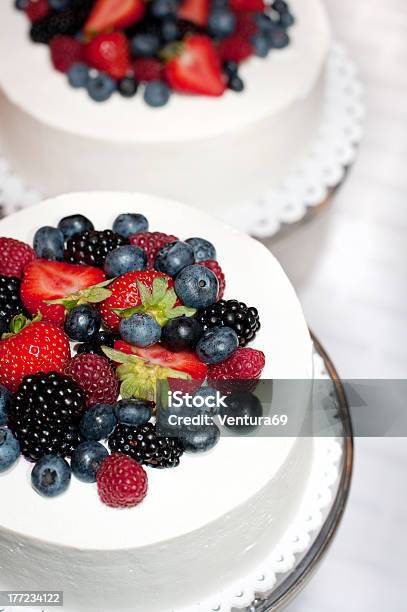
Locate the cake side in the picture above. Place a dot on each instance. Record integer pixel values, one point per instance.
(200, 506)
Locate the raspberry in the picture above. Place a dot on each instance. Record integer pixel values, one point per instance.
(244, 367)
(147, 69)
(15, 256)
(245, 25)
(65, 51)
(151, 242)
(37, 10)
(121, 481)
(235, 48)
(95, 376)
(217, 270)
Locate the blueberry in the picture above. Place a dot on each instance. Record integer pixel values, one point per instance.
(170, 30)
(196, 286)
(82, 323)
(144, 45)
(243, 405)
(98, 422)
(230, 68)
(181, 333)
(21, 5)
(87, 459)
(260, 44)
(173, 257)
(51, 476)
(217, 344)
(5, 399)
(127, 258)
(130, 223)
(59, 5)
(221, 22)
(100, 87)
(78, 75)
(74, 224)
(205, 401)
(278, 38)
(127, 87)
(235, 83)
(49, 243)
(264, 22)
(286, 19)
(220, 3)
(140, 330)
(203, 249)
(156, 94)
(9, 449)
(133, 412)
(280, 6)
(200, 439)
(164, 8)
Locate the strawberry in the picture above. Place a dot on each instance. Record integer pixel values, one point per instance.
(235, 48)
(217, 270)
(151, 243)
(51, 280)
(195, 11)
(195, 67)
(141, 368)
(14, 257)
(247, 5)
(238, 372)
(125, 295)
(37, 10)
(35, 347)
(109, 53)
(114, 15)
(65, 51)
(147, 69)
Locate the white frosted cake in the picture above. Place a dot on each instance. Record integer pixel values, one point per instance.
(206, 151)
(203, 524)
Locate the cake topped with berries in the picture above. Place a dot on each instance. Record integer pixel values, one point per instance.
(109, 304)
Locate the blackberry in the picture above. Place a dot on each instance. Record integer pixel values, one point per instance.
(231, 313)
(10, 301)
(145, 446)
(91, 248)
(68, 22)
(45, 413)
(94, 346)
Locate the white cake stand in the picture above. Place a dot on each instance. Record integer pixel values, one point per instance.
(307, 188)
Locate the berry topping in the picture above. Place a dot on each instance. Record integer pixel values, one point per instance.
(67, 22)
(94, 346)
(5, 402)
(122, 482)
(151, 243)
(87, 459)
(147, 69)
(133, 412)
(37, 347)
(45, 413)
(65, 51)
(95, 376)
(217, 270)
(37, 9)
(173, 257)
(195, 11)
(246, 364)
(114, 14)
(98, 422)
(92, 247)
(196, 286)
(217, 344)
(127, 258)
(156, 94)
(203, 249)
(75, 224)
(9, 449)
(10, 301)
(181, 333)
(49, 243)
(247, 5)
(235, 48)
(241, 405)
(130, 223)
(51, 476)
(15, 257)
(234, 314)
(82, 323)
(109, 53)
(140, 330)
(50, 281)
(145, 446)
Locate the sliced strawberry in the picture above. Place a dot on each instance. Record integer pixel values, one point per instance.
(50, 280)
(114, 14)
(147, 69)
(125, 294)
(109, 53)
(184, 361)
(235, 48)
(195, 11)
(196, 69)
(247, 5)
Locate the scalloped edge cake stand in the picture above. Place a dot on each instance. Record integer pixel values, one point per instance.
(285, 572)
(305, 191)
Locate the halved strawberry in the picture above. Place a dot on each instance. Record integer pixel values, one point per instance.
(194, 67)
(114, 14)
(109, 53)
(195, 11)
(51, 280)
(247, 5)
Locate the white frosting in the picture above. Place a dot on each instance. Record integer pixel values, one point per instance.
(205, 151)
(202, 524)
